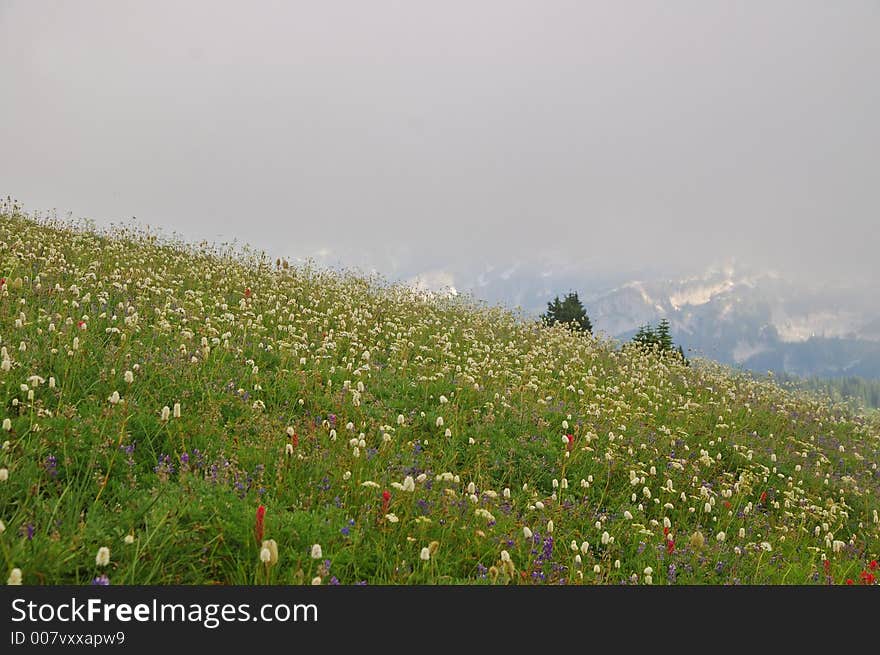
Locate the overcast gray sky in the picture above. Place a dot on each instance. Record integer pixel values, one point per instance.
(409, 135)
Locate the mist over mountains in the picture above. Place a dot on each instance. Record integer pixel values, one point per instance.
(758, 320)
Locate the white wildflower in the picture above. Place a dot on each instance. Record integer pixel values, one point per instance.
(270, 546)
(103, 556)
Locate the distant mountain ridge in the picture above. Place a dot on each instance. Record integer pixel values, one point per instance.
(760, 320)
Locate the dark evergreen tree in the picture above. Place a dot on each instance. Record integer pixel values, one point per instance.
(569, 311)
(683, 358)
(554, 310)
(664, 338)
(658, 339)
(639, 336)
(645, 337)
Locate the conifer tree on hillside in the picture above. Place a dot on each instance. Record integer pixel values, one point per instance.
(664, 338)
(645, 336)
(659, 339)
(569, 311)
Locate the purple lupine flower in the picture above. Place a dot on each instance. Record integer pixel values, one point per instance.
(51, 466)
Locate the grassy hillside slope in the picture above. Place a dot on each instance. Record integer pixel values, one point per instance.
(154, 395)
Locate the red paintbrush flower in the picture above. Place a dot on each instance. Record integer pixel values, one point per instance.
(763, 497)
(258, 525)
(827, 565)
(386, 499)
(247, 292)
(570, 438)
(873, 564)
(849, 581)
(670, 547)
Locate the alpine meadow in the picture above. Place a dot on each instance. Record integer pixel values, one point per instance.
(178, 413)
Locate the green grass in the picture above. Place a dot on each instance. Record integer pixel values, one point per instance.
(361, 372)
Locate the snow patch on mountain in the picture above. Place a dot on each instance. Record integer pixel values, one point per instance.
(434, 282)
(699, 295)
(639, 287)
(796, 328)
